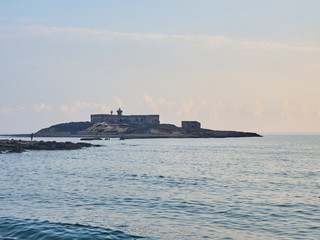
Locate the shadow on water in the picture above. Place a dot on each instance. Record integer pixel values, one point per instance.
(15, 229)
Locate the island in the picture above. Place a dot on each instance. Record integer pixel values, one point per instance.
(134, 126)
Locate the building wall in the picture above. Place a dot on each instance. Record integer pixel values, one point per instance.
(190, 124)
(103, 118)
(133, 119)
(142, 119)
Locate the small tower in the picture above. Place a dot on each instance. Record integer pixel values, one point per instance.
(111, 112)
(119, 112)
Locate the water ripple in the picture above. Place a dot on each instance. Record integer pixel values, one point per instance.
(32, 229)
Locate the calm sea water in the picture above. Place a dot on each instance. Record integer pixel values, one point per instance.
(244, 188)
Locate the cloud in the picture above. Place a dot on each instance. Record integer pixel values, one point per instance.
(155, 104)
(41, 106)
(258, 109)
(265, 45)
(301, 110)
(307, 110)
(118, 102)
(149, 101)
(8, 111)
(216, 109)
(28, 19)
(86, 34)
(77, 106)
(186, 108)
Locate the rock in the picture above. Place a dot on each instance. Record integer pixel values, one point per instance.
(21, 146)
(64, 129)
(17, 149)
(90, 138)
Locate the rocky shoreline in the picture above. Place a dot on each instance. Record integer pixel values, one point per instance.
(19, 146)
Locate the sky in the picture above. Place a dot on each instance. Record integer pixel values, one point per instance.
(249, 65)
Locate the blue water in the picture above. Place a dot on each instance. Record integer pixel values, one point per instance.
(243, 188)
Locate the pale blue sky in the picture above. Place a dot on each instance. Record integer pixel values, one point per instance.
(240, 65)
(270, 20)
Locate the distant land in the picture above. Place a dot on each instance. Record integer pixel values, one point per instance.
(133, 126)
(130, 131)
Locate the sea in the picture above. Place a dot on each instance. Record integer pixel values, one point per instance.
(219, 188)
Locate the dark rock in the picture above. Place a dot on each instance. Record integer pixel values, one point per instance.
(90, 138)
(21, 146)
(17, 149)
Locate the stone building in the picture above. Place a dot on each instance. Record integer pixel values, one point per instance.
(190, 124)
(129, 119)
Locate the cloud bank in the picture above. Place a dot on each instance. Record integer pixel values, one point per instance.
(74, 34)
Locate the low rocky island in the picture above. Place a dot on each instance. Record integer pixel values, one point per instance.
(19, 146)
(106, 126)
(130, 131)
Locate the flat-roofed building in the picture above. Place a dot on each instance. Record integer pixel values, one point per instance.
(190, 124)
(129, 119)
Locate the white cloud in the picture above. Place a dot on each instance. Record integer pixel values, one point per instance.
(85, 34)
(8, 111)
(77, 106)
(265, 45)
(118, 102)
(155, 104)
(301, 110)
(187, 107)
(41, 106)
(307, 110)
(28, 19)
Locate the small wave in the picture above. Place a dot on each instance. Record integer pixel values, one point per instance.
(16, 229)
